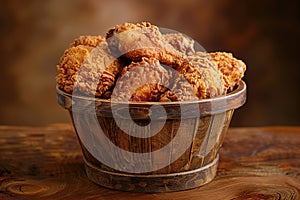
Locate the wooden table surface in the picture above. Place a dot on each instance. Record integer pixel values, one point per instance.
(46, 163)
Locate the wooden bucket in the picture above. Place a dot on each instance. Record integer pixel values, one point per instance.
(151, 146)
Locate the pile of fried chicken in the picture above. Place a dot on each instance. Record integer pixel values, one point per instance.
(136, 62)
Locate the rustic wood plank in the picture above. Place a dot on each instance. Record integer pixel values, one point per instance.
(46, 163)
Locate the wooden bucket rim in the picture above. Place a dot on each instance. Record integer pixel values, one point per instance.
(239, 91)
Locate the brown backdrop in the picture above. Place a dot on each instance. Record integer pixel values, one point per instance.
(264, 33)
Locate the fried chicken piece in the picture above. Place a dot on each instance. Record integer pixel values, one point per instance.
(232, 69)
(135, 41)
(143, 81)
(145, 40)
(199, 79)
(128, 38)
(98, 71)
(180, 42)
(70, 63)
(204, 74)
(88, 66)
(180, 90)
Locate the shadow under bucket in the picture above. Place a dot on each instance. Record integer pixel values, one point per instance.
(151, 146)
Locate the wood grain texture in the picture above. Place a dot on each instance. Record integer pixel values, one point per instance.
(175, 138)
(176, 173)
(46, 163)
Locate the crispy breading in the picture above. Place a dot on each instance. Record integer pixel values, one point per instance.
(92, 70)
(199, 79)
(135, 41)
(69, 65)
(128, 37)
(232, 69)
(145, 40)
(98, 71)
(142, 81)
(204, 74)
(180, 90)
(90, 41)
(160, 67)
(180, 42)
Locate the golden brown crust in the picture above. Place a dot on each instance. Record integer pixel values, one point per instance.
(98, 72)
(92, 70)
(129, 26)
(127, 37)
(232, 69)
(69, 65)
(90, 41)
(145, 40)
(180, 90)
(180, 42)
(199, 79)
(90, 65)
(204, 75)
(135, 41)
(142, 81)
(122, 39)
